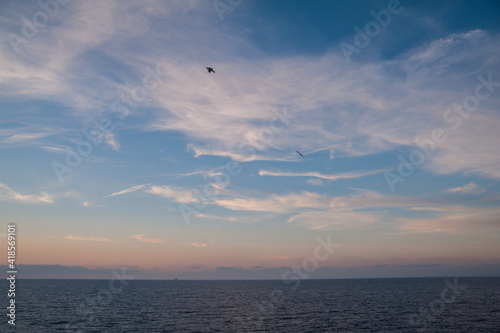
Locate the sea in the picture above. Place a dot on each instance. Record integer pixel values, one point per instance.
(447, 304)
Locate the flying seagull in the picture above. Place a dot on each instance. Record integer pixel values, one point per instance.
(298, 152)
(210, 69)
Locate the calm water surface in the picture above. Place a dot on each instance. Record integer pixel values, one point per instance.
(358, 305)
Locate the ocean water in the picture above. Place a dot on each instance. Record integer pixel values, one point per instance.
(356, 305)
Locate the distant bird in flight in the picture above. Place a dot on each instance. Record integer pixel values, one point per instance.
(210, 69)
(298, 152)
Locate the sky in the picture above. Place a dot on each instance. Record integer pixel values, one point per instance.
(119, 150)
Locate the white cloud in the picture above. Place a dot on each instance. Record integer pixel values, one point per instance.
(29, 135)
(384, 110)
(321, 212)
(88, 239)
(472, 147)
(78, 62)
(353, 211)
(245, 155)
(374, 106)
(26, 136)
(344, 175)
(314, 181)
(253, 218)
(110, 139)
(210, 172)
(128, 190)
(469, 188)
(6, 193)
(55, 149)
(275, 203)
(141, 238)
(372, 199)
(314, 210)
(199, 244)
(178, 194)
(334, 219)
(454, 220)
(363, 210)
(435, 57)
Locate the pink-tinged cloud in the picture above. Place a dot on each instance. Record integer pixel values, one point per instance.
(276, 203)
(177, 194)
(370, 199)
(459, 220)
(469, 188)
(88, 239)
(141, 238)
(335, 220)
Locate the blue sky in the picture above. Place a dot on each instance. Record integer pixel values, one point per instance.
(118, 148)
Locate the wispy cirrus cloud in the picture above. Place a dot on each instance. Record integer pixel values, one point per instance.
(55, 149)
(209, 172)
(378, 118)
(142, 238)
(373, 106)
(22, 134)
(239, 156)
(315, 182)
(88, 239)
(110, 139)
(59, 48)
(457, 219)
(275, 203)
(363, 210)
(469, 188)
(315, 211)
(26, 137)
(344, 175)
(354, 211)
(372, 199)
(6, 193)
(335, 220)
(92, 53)
(180, 195)
(128, 190)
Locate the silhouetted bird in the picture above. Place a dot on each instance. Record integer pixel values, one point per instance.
(298, 152)
(210, 69)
